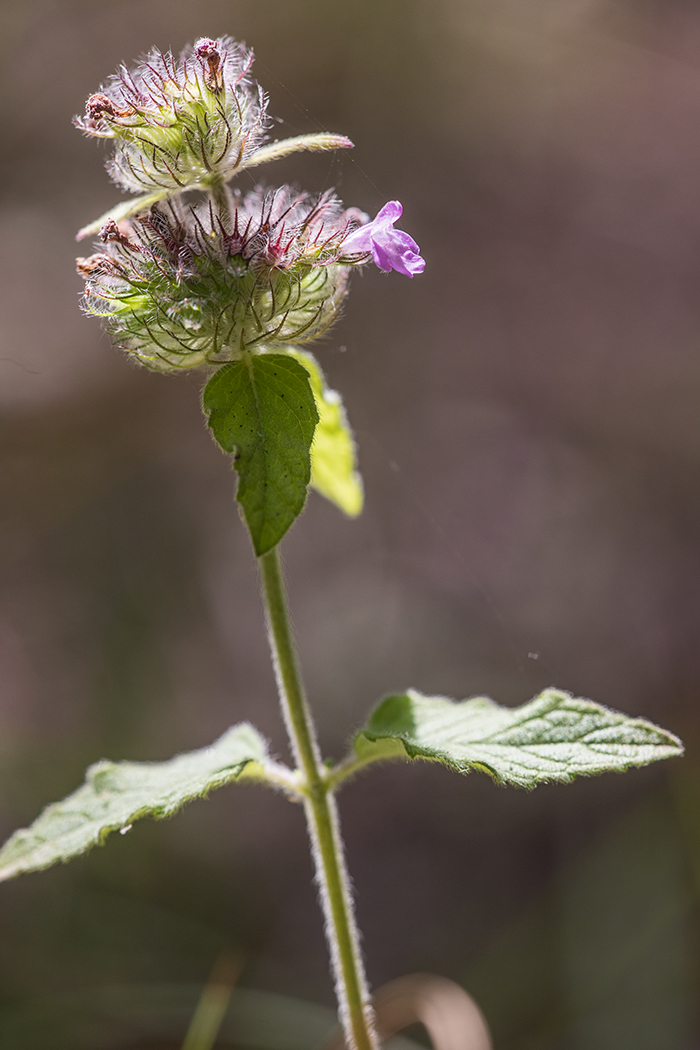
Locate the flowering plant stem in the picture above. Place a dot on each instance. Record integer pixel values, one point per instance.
(321, 815)
(220, 196)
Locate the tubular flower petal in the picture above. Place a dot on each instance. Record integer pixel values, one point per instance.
(390, 249)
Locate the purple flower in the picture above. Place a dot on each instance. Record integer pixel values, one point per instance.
(391, 249)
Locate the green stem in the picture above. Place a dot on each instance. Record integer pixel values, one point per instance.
(347, 768)
(322, 817)
(222, 200)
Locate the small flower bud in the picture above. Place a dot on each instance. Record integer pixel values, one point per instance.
(100, 106)
(208, 54)
(111, 232)
(95, 265)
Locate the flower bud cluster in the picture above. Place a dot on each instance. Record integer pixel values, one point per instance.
(180, 288)
(187, 122)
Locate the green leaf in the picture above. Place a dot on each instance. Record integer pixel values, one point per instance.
(554, 737)
(123, 210)
(333, 455)
(115, 794)
(262, 409)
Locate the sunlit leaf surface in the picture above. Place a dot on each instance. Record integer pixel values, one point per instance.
(554, 737)
(115, 794)
(334, 471)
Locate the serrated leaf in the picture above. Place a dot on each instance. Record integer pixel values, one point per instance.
(318, 142)
(334, 471)
(123, 210)
(554, 737)
(115, 794)
(263, 411)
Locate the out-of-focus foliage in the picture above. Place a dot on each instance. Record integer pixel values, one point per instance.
(114, 1015)
(606, 955)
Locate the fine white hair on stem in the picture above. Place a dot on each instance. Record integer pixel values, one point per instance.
(326, 902)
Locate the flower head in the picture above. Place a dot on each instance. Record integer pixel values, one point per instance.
(187, 123)
(390, 249)
(179, 289)
(177, 123)
(185, 285)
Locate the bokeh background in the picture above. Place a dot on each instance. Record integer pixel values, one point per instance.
(528, 417)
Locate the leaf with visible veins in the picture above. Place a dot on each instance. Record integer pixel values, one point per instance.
(555, 737)
(263, 411)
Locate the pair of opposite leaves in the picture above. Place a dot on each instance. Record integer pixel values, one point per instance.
(554, 737)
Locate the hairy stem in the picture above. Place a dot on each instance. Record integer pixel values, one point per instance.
(322, 817)
(222, 200)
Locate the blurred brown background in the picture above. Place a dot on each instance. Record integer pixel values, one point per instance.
(528, 416)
